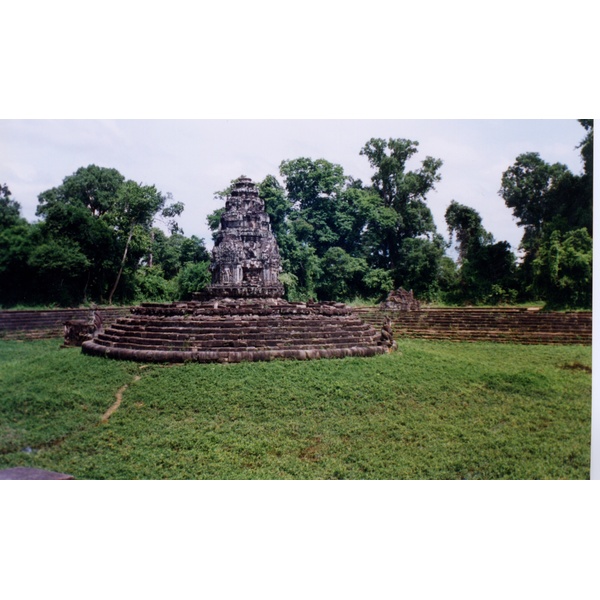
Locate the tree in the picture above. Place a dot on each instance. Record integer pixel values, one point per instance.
(563, 269)
(172, 252)
(17, 241)
(100, 216)
(465, 222)
(547, 198)
(310, 184)
(487, 272)
(134, 210)
(176, 267)
(60, 268)
(400, 231)
(341, 275)
(531, 187)
(315, 191)
(587, 149)
(321, 242)
(299, 261)
(10, 210)
(193, 277)
(152, 286)
(277, 204)
(76, 213)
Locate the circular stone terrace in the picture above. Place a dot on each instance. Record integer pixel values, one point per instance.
(234, 330)
(241, 316)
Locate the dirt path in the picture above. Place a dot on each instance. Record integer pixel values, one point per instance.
(119, 397)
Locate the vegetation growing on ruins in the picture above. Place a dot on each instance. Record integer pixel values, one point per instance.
(339, 238)
(434, 410)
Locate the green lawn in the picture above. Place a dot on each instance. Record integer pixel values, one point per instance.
(433, 410)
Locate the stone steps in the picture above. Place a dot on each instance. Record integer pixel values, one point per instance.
(199, 328)
(234, 331)
(295, 338)
(222, 356)
(523, 326)
(229, 345)
(325, 335)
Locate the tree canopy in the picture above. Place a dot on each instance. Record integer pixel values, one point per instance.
(551, 203)
(487, 270)
(99, 240)
(95, 235)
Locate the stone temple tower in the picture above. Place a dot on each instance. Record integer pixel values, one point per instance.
(246, 261)
(242, 315)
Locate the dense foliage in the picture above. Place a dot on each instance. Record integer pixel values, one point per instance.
(343, 240)
(96, 241)
(340, 239)
(487, 270)
(555, 208)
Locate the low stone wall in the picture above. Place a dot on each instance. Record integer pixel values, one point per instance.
(525, 326)
(38, 324)
(515, 325)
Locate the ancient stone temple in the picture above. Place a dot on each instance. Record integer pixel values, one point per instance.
(242, 315)
(246, 261)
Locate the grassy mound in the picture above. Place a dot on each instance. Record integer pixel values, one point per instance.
(433, 410)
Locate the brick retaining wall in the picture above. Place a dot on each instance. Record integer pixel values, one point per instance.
(525, 326)
(37, 324)
(517, 325)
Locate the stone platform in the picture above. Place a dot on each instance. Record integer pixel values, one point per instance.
(235, 330)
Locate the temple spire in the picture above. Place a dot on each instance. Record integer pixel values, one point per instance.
(245, 261)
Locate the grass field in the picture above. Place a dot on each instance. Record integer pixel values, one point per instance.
(432, 410)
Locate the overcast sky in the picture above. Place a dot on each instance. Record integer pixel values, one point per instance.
(192, 159)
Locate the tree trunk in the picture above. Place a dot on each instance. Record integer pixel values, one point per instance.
(87, 282)
(151, 256)
(114, 287)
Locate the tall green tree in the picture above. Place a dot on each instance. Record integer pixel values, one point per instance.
(10, 210)
(563, 269)
(76, 213)
(133, 212)
(104, 223)
(326, 223)
(465, 224)
(587, 152)
(401, 232)
(487, 269)
(299, 260)
(314, 189)
(17, 242)
(546, 198)
(531, 188)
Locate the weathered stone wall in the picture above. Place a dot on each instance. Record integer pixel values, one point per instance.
(36, 324)
(516, 325)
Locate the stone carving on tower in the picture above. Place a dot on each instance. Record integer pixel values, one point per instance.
(246, 261)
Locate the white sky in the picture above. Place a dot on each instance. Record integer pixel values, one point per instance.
(194, 158)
